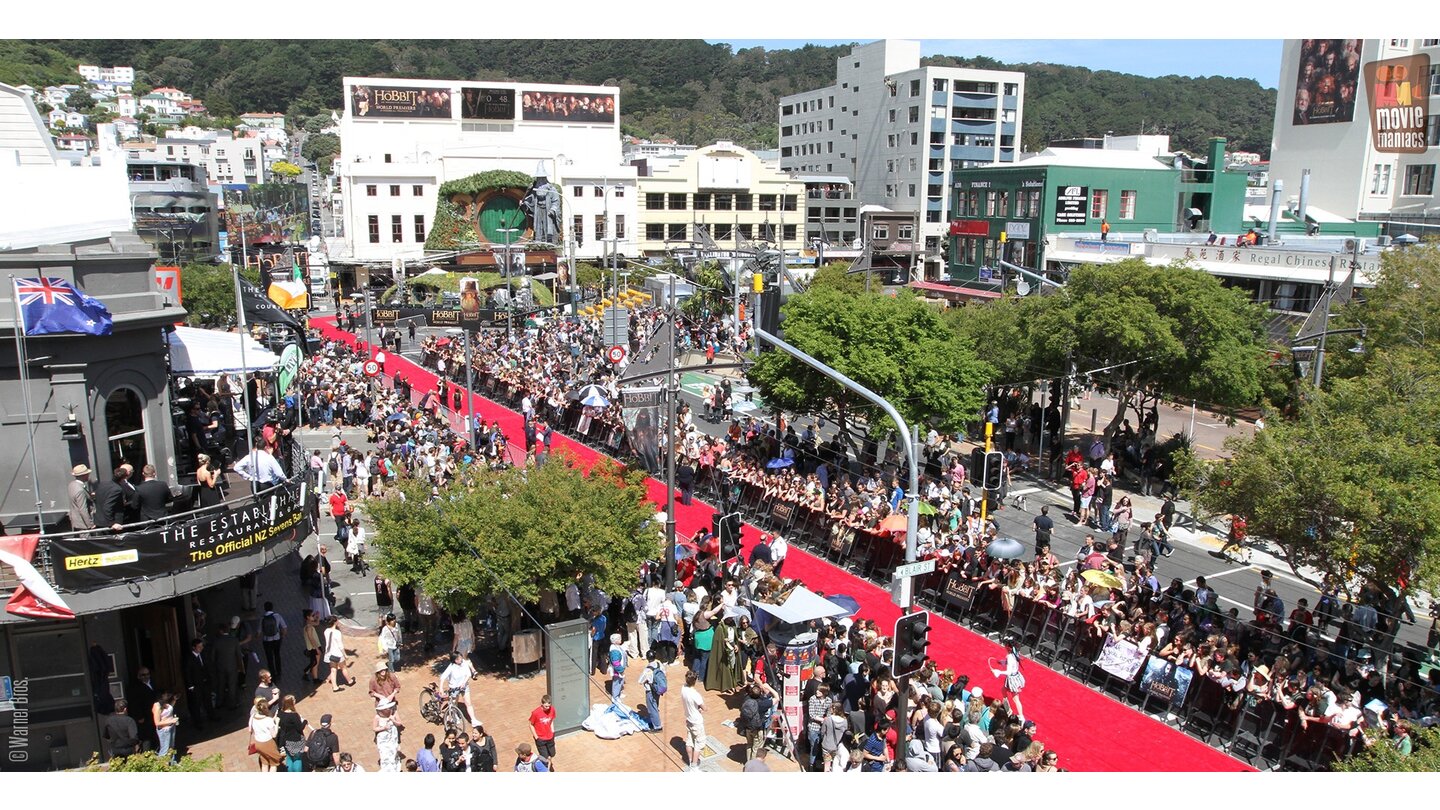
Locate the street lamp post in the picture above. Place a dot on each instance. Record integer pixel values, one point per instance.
(244, 329)
(509, 288)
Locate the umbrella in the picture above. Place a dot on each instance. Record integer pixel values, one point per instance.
(736, 611)
(926, 508)
(395, 417)
(778, 463)
(897, 523)
(850, 603)
(1005, 548)
(1104, 579)
(593, 396)
(443, 342)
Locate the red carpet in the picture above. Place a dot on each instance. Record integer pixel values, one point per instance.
(1091, 731)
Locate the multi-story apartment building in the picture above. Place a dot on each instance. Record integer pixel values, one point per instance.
(107, 76)
(1359, 114)
(227, 160)
(899, 131)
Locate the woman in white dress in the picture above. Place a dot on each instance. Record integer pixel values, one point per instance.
(335, 655)
(387, 736)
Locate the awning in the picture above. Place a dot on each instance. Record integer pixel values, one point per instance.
(207, 353)
(952, 290)
(803, 606)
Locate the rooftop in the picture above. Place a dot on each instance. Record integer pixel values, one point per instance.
(1091, 158)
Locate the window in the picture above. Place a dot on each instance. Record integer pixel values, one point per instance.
(915, 115)
(387, 157)
(890, 167)
(125, 428)
(619, 226)
(1005, 203)
(1099, 200)
(767, 202)
(912, 190)
(724, 201)
(577, 227)
(395, 190)
(914, 164)
(598, 191)
(374, 229)
(677, 202)
(599, 227)
(790, 232)
(914, 139)
(893, 114)
(420, 228)
(1399, 43)
(397, 231)
(371, 191)
(1432, 131)
(789, 202)
(905, 232)
(723, 232)
(880, 232)
(892, 140)
(744, 202)
(417, 191)
(890, 84)
(1435, 78)
(675, 233)
(701, 201)
(618, 191)
(1429, 43)
(577, 191)
(972, 204)
(1380, 179)
(1012, 89)
(914, 87)
(654, 231)
(654, 202)
(992, 203)
(1127, 204)
(939, 85)
(1420, 180)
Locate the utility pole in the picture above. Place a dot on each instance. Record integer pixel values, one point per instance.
(672, 407)
(1330, 296)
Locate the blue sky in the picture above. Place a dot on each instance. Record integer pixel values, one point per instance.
(1251, 59)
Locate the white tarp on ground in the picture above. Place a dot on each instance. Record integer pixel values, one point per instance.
(611, 721)
(206, 352)
(803, 605)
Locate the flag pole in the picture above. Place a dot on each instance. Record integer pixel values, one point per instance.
(25, 393)
(244, 332)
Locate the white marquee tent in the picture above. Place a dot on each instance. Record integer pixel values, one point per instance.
(209, 353)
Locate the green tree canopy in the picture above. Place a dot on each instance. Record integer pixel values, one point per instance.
(319, 146)
(533, 529)
(896, 346)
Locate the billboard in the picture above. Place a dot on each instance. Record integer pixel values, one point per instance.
(1399, 103)
(487, 103)
(573, 108)
(372, 101)
(1326, 79)
(1072, 205)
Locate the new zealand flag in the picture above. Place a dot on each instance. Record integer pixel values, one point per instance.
(51, 306)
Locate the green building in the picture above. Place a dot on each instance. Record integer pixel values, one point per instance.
(1071, 192)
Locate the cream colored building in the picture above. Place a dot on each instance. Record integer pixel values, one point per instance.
(725, 188)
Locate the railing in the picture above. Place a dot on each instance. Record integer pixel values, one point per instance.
(172, 525)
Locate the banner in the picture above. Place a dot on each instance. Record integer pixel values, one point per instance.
(1325, 81)
(797, 663)
(1072, 205)
(101, 559)
(640, 413)
(487, 103)
(1120, 658)
(573, 108)
(373, 101)
(167, 281)
(288, 367)
(1399, 104)
(1166, 681)
(260, 309)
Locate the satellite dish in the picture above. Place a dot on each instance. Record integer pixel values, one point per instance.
(1022, 287)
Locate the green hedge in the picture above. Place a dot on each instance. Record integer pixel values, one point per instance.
(450, 230)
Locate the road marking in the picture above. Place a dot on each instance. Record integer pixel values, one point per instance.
(1027, 491)
(1227, 572)
(1208, 447)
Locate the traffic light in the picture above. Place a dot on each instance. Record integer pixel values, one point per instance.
(993, 469)
(912, 636)
(977, 464)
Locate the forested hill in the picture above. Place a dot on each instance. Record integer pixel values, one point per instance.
(689, 90)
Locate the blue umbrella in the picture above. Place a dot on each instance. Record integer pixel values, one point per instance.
(779, 463)
(396, 417)
(848, 602)
(593, 396)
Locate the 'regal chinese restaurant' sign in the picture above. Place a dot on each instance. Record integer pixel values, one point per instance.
(99, 559)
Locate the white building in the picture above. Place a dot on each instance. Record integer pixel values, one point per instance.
(1329, 131)
(56, 96)
(66, 197)
(899, 130)
(227, 160)
(111, 76)
(125, 105)
(402, 138)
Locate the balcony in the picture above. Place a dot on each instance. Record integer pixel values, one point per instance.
(101, 570)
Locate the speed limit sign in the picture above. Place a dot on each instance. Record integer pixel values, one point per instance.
(615, 354)
(371, 368)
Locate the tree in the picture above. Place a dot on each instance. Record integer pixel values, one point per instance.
(285, 170)
(895, 346)
(835, 275)
(317, 123)
(532, 529)
(1380, 756)
(1167, 331)
(209, 293)
(80, 101)
(319, 146)
(1000, 331)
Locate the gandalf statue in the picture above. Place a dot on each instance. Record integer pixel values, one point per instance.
(542, 205)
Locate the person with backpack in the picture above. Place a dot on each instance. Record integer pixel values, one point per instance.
(527, 761)
(272, 633)
(322, 750)
(754, 719)
(656, 684)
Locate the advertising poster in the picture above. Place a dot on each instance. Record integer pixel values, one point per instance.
(1327, 77)
(487, 103)
(640, 413)
(1120, 658)
(572, 108)
(1399, 103)
(1072, 205)
(370, 101)
(798, 663)
(1166, 680)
